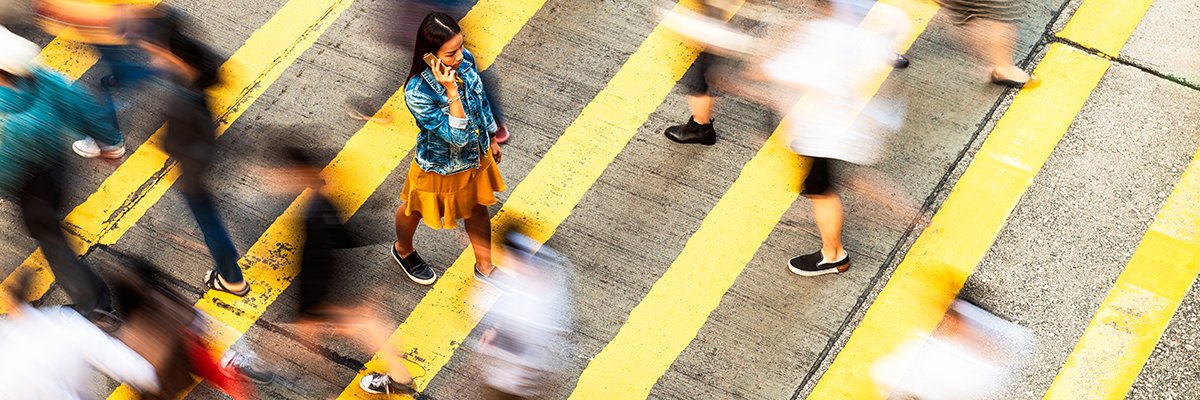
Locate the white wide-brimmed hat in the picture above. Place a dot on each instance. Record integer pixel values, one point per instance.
(17, 55)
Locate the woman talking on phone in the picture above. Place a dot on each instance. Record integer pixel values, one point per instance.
(453, 174)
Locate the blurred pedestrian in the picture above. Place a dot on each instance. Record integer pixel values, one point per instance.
(38, 109)
(453, 175)
(824, 129)
(327, 306)
(699, 127)
(524, 338)
(165, 328)
(971, 356)
(112, 28)
(50, 353)
(192, 67)
(993, 26)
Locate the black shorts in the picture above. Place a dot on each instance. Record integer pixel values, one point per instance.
(820, 177)
(695, 80)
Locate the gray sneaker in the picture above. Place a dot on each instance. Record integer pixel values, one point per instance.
(245, 365)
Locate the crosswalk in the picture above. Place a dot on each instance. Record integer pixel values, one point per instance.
(678, 303)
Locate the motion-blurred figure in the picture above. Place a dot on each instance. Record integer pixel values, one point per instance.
(403, 21)
(112, 28)
(730, 61)
(164, 328)
(525, 339)
(330, 304)
(992, 24)
(192, 67)
(50, 353)
(972, 356)
(38, 109)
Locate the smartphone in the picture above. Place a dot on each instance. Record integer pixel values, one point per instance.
(432, 61)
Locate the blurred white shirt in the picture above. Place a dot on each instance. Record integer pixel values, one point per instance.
(50, 353)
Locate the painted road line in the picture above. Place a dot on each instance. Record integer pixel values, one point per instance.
(960, 234)
(367, 159)
(144, 177)
(662, 325)
(1131, 320)
(1134, 315)
(544, 199)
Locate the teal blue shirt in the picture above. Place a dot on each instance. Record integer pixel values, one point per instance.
(37, 120)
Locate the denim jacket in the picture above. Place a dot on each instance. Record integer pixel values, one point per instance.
(446, 144)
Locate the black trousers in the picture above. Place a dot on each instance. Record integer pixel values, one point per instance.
(40, 198)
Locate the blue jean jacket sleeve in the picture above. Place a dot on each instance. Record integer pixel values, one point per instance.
(432, 118)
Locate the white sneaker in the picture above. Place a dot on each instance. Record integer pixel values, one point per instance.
(88, 148)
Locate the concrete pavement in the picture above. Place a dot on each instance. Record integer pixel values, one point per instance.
(773, 333)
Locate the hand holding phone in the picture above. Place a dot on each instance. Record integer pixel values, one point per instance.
(442, 72)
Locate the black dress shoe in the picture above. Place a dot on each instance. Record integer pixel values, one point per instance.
(900, 62)
(692, 132)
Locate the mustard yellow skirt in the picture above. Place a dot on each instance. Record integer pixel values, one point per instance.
(442, 200)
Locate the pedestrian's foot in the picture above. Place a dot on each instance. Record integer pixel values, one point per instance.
(383, 384)
(105, 319)
(692, 132)
(495, 278)
(900, 62)
(414, 267)
(1015, 79)
(88, 148)
(240, 365)
(214, 281)
(365, 109)
(815, 264)
(501, 133)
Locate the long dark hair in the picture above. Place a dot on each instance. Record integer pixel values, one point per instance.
(435, 30)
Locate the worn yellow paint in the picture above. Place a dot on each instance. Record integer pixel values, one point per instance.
(448, 313)
(144, 177)
(362, 165)
(958, 236)
(1131, 320)
(662, 325)
(1105, 25)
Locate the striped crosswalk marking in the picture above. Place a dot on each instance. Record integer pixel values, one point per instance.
(962, 231)
(1134, 315)
(144, 177)
(662, 325)
(447, 314)
(355, 173)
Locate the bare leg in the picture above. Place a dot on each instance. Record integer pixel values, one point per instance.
(701, 107)
(372, 334)
(997, 39)
(406, 227)
(828, 213)
(479, 230)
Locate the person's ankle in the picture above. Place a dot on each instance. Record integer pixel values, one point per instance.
(404, 253)
(830, 256)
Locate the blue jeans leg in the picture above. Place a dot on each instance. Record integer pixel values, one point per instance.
(224, 254)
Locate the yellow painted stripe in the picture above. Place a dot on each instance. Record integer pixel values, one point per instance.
(125, 196)
(362, 165)
(1105, 25)
(662, 325)
(448, 313)
(1130, 321)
